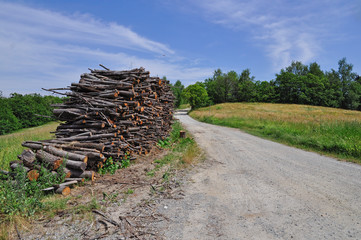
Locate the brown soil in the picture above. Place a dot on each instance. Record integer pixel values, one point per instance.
(128, 202)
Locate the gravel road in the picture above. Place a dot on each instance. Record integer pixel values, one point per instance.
(251, 188)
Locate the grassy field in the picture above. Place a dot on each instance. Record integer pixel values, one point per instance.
(330, 131)
(10, 144)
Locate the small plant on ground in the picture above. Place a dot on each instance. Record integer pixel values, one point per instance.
(164, 143)
(109, 167)
(125, 161)
(182, 152)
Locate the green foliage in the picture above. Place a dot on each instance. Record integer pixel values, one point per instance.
(196, 95)
(109, 167)
(22, 111)
(129, 191)
(164, 143)
(125, 161)
(177, 90)
(20, 196)
(297, 84)
(182, 151)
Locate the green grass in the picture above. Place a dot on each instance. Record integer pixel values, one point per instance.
(330, 131)
(10, 144)
(181, 152)
(184, 106)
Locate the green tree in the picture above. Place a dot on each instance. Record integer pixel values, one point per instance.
(348, 85)
(196, 95)
(287, 87)
(8, 121)
(177, 89)
(333, 90)
(247, 91)
(266, 91)
(297, 68)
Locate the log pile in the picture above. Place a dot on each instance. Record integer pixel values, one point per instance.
(109, 114)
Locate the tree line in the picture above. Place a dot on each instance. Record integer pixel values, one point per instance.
(296, 84)
(22, 111)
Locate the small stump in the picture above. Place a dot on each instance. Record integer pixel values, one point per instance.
(182, 134)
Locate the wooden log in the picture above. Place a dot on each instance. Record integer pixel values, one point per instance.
(76, 165)
(32, 145)
(33, 175)
(82, 174)
(15, 166)
(64, 190)
(68, 183)
(27, 157)
(74, 179)
(49, 160)
(65, 154)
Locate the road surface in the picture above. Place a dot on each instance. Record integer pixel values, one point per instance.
(251, 188)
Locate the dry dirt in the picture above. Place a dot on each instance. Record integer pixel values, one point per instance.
(251, 188)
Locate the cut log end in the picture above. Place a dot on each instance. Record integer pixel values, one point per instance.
(64, 190)
(33, 175)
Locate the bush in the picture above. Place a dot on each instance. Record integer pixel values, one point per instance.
(22, 111)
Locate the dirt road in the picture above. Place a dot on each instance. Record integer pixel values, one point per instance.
(250, 188)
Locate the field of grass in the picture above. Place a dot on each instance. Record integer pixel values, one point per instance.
(330, 131)
(10, 144)
(184, 106)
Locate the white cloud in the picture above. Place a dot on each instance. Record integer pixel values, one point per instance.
(287, 30)
(41, 48)
(19, 21)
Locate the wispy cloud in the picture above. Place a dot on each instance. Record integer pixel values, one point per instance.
(287, 30)
(81, 28)
(42, 48)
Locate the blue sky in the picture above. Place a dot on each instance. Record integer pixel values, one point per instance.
(50, 43)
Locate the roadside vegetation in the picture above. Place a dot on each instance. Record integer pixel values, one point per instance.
(330, 131)
(10, 144)
(22, 201)
(181, 152)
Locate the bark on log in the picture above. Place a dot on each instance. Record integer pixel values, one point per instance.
(76, 165)
(64, 190)
(49, 160)
(65, 154)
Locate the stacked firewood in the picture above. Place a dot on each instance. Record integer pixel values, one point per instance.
(109, 114)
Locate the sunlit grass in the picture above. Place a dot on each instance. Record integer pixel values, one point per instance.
(10, 144)
(331, 131)
(184, 106)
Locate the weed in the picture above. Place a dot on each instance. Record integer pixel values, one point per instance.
(125, 161)
(182, 152)
(86, 207)
(110, 197)
(129, 191)
(164, 143)
(109, 167)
